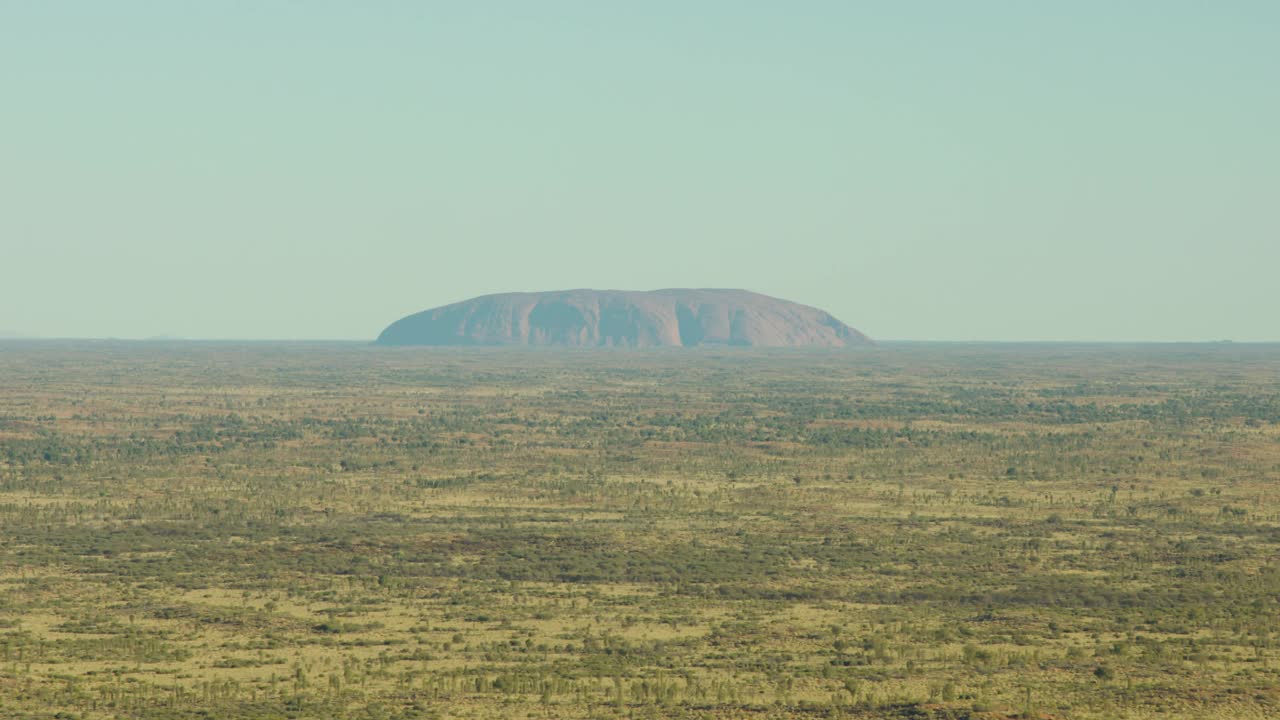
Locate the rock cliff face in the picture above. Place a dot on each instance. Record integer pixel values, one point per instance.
(614, 318)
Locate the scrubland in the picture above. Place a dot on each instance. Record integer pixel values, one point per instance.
(909, 531)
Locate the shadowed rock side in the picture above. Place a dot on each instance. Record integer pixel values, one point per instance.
(614, 318)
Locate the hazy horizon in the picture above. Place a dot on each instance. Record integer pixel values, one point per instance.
(987, 172)
(711, 349)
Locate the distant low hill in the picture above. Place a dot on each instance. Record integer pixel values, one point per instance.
(616, 318)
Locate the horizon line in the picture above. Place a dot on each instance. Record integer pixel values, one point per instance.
(373, 341)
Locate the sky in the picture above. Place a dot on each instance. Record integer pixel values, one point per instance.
(927, 169)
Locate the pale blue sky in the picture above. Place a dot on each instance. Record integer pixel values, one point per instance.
(1084, 170)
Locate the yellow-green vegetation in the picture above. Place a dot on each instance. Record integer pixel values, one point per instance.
(911, 531)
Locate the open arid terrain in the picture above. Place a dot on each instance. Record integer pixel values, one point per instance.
(333, 530)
